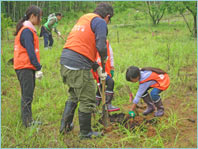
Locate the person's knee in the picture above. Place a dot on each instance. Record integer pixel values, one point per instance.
(155, 96)
(87, 107)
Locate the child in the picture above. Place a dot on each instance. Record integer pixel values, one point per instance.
(27, 59)
(109, 69)
(149, 77)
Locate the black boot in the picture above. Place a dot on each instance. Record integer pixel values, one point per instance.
(148, 101)
(110, 107)
(26, 113)
(85, 126)
(67, 118)
(160, 108)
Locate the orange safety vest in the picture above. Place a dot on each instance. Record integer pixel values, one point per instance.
(108, 63)
(21, 58)
(81, 39)
(162, 80)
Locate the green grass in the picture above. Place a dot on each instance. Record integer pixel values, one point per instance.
(167, 46)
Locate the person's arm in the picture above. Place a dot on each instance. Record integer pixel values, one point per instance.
(27, 42)
(142, 89)
(111, 57)
(99, 27)
(111, 61)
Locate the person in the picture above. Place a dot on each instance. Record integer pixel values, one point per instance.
(148, 78)
(109, 69)
(27, 60)
(79, 53)
(46, 29)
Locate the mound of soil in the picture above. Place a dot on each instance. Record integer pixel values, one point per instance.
(130, 123)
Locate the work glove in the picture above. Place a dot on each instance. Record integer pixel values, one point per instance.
(112, 73)
(59, 34)
(101, 74)
(39, 74)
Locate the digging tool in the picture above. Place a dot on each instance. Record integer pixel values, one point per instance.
(105, 114)
(130, 94)
(130, 100)
(62, 37)
(97, 80)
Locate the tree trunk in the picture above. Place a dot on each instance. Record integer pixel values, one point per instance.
(195, 26)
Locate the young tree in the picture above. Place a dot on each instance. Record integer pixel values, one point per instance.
(182, 8)
(156, 10)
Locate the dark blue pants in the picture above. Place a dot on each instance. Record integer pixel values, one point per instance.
(154, 94)
(48, 37)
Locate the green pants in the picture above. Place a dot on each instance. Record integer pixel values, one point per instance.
(81, 88)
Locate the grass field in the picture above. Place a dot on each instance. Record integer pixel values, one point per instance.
(168, 46)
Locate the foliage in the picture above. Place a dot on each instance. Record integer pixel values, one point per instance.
(135, 42)
(156, 10)
(6, 22)
(182, 8)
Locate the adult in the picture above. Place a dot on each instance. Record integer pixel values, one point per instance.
(78, 56)
(46, 29)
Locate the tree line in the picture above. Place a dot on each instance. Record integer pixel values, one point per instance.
(12, 11)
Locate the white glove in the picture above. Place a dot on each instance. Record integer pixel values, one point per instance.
(39, 74)
(59, 34)
(101, 75)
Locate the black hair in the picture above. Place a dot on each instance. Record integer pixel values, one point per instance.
(31, 10)
(58, 14)
(132, 73)
(104, 9)
(156, 70)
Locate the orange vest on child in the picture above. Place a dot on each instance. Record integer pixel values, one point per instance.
(82, 39)
(162, 80)
(108, 63)
(21, 58)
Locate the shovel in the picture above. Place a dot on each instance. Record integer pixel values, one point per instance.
(62, 38)
(105, 114)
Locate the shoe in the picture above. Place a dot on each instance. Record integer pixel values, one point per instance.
(85, 126)
(109, 97)
(160, 108)
(67, 117)
(148, 101)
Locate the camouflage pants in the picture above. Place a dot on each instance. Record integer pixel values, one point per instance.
(81, 88)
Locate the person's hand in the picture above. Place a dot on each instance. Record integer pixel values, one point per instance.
(133, 107)
(112, 73)
(39, 74)
(104, 60)
(59, 34)
(101, 75)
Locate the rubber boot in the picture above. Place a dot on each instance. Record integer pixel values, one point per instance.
(85, 126)
(110, 107)
(160, 108)
(148, 101)
(26, 113)
(67, 117)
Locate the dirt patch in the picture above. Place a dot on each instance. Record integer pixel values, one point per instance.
(131, 123)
